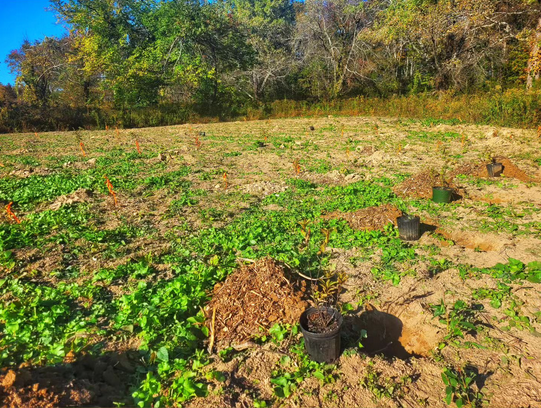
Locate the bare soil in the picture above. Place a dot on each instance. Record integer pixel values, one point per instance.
(490, 222)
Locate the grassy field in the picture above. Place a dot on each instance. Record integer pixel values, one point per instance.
(103, 295)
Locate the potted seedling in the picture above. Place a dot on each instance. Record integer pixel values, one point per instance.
(442, 193)
(321, 325)
(494, 169)
(409, 227)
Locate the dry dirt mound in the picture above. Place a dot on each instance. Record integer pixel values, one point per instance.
(32, 171)
(477, 241)
(80, 196)
(251, 301)
(480, 170)
(370, 219)
(510, 170)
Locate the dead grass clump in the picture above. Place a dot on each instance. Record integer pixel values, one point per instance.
(370, 219)
(251, 301)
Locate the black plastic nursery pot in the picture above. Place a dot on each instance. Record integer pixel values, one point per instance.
(409, 227)
(494, 169)
(442, 194)
(322, 347)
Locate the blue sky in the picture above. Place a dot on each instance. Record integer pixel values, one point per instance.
(23, 19)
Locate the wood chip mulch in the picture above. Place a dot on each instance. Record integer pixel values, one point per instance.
(420, 185)
(368, 219)
(251, 301)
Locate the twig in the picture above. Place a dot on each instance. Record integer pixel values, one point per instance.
(211, 343)
(302, 275)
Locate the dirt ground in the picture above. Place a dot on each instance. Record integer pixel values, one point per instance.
(239, 164)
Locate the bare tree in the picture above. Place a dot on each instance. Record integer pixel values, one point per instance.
(328, 42)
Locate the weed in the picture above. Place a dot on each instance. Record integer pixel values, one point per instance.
(293, 370)
(496, 296)
(458, 387)
(380, 387)
(460, 319)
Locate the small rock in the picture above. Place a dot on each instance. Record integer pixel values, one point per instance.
(312, 128)
(111, 378)
(92, 162)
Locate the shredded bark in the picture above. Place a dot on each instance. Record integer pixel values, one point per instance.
(251, 301)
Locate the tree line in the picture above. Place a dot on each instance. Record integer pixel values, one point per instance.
(178, 57)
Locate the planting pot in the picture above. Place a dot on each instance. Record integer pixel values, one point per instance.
(494, 169)
(409, 227)
(322, 347)
(442, 194)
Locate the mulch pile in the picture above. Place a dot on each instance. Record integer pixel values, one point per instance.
(251, 301)
(420, 185)
(368, 219)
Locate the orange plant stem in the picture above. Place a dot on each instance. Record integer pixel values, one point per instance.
(11, 213)
(82, 146)
(137, 145)
(110, 188)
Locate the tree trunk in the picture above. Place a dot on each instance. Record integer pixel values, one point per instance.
(533, 64)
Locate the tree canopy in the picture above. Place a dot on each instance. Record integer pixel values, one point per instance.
(128, 54)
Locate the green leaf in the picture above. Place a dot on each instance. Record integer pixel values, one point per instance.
(162, 354)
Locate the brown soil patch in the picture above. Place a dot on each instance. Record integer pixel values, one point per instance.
(263, 188)
(86, 381)
(32, 171)
(370, 219)
(251, 301)
(80, 196)
(510, 170)
(480, 170)
(482, 242)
